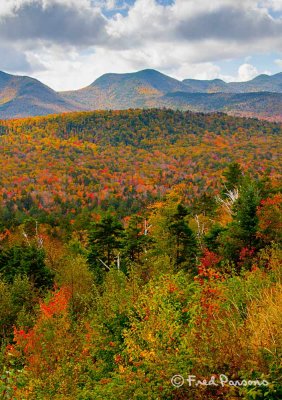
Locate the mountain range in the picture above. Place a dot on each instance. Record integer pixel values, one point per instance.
(22, 96)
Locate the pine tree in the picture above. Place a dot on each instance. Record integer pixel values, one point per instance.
(105, 241)
(135, 239)
(242, 231)
(26, 260)
(233, 176)
(183, 239)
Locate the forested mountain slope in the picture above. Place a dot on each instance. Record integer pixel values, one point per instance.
(261, 97)
(22, 96)
(63, 163)
(261, 83)
(262, 105)
(138, 250)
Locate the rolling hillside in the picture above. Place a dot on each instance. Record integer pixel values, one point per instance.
(261, 97)
(124, 159)
(122, 258)
(22, 96)
(264, 105)
(122, 91)
(149, 88)
(261, 83)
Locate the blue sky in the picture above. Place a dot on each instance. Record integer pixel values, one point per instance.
(67, 44)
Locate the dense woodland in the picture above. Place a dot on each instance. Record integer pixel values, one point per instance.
(69, 167)
(137, 245)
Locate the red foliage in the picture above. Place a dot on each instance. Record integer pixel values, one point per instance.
(246, 252)
(270, 221)
(207, 268)
(70, 163)
(30, 343)
(209, 259)
(58, 303)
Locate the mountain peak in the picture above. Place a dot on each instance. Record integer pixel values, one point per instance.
(262, 78)
(149, 72)
(113, 76)
(147, 80)
(22, 96)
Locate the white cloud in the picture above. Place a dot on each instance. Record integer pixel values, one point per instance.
(278, 62)
(77, 70)
(275, 5)
(246, 72)
(185, 39)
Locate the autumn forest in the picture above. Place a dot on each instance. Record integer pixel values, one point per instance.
(140, 257)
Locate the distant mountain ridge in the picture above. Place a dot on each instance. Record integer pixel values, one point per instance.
(131, 90)
(156, 79)
(22, 96)
(264, 105)
(261, 97)
(261, 83)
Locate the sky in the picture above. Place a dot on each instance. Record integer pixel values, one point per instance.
(67, 44)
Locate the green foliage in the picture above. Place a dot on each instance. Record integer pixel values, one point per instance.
(105, 243)
(74, 273)
(17, 300)
(233, 176)
(84, 163)
(135, 240)
(169, 279)
(25, 260)
(182, 239)
(246, 209)
(10, 380)
(204, 204)
(241, 233)
(212, 238)
(172, 235)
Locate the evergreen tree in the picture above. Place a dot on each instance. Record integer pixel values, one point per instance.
(242, 231)
(25, 260)
(135, 239)
(246, 211)
(212, 238)
(233, 176)
(183, 240)
(105, 241)
(205, 204)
